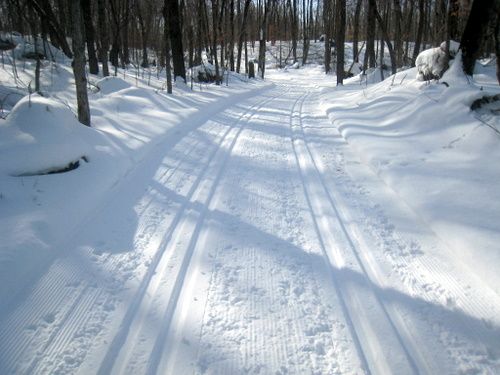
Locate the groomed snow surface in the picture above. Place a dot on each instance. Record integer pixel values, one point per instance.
(277, 227)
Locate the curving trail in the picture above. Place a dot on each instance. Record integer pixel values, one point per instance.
(257, 242)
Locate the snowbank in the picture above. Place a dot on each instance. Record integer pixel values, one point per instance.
(109, 85)
(40, 213)
(39, 136)
(424, 141)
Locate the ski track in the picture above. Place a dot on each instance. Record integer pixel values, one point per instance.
(253, 245)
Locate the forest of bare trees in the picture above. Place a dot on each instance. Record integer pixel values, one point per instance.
(176, 35)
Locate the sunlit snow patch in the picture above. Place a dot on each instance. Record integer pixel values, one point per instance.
(41, 136)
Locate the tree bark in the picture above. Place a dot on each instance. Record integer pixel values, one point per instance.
(57, 35)
(355, 35)
(262, 41)
(89, 36)
(420, 29)
(370, 59)
(79, 63)
(398, 41)
(385, 34)
(242, 34)
(215, 7)
(166, 29)
(476, 32)
(340, 38)
(176, 38)
(326, 21)
(103, 36)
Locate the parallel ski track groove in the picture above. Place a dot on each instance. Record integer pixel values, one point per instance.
(354, 250)
(443, 280)
(58, 293)
(181, 275)
(121, 336)
(345, 309)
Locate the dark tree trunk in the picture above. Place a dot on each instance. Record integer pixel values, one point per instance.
(328, 28)
(144, 35)
(57, 35)
(215, 7)
(231, 40)
(355, 35)
(199, 34)
(385, 35)
(174, 19)
(125, 50)
(476, 32)
(340, 38)
(497, 47)
(103, 36)
(89, 36)
(262, 41)
(420, 29)
(221, 35)
(295, 27)
(242, 34)
(370, 58)
(453, 14)
(305, 46)
(398, 38)
(166, 29)
(79, 63)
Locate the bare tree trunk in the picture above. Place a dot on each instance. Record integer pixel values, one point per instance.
(103, 34)
(215, 7)
(57, 35)
(305, 46)
(476, 32)
(144, 35)
(355, 35)
(79, 63)
(242, 34)
(231, 37)
(340, 38)
(398, 41)
(453, 14)
(370, 59)
(497, 46)
(89, 36)
(295, 27)
(125, 35)
(176, 39)
(420, 30)
(326, 21)
(166, 37)
(262, 42)
(385, 35)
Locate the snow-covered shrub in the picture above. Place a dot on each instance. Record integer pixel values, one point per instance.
(40, 136)
(432, 63)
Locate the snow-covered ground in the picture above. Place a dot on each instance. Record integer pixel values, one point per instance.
(277, 227)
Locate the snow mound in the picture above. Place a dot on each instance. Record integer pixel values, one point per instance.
(430, 64)
(109, 85)
(39, 136)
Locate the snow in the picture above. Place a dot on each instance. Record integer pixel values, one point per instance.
(430, 64)
(438, 161)
(40, 135)
(285, 226)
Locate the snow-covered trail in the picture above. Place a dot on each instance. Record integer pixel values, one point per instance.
(255, 242)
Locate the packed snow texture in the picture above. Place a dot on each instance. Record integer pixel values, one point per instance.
(279, 227)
